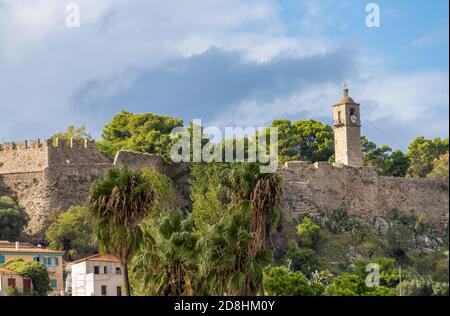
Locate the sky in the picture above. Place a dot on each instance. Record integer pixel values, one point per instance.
(226, 62)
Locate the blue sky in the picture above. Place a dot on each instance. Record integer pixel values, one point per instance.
(227, 62)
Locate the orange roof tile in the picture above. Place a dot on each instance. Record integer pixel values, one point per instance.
(6, 272)
(26, 248)
(97, 257)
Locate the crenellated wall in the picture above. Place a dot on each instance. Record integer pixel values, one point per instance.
(56, 175)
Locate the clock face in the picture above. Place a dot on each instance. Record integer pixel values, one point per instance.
(353, 119)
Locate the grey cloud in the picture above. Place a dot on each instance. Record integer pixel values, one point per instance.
(204, 85)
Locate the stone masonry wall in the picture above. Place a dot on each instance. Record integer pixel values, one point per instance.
(44, 177)
(320, 188)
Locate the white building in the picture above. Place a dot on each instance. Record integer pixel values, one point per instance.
(98, 275)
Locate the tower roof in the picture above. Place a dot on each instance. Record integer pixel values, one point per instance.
(345, 99)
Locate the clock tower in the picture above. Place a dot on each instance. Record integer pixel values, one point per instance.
(347, 131)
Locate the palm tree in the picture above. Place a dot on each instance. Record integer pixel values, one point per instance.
(166, 262)
(225, 265)
(118, 203)
(244, 182)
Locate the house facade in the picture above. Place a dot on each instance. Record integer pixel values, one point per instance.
(98, 275)
(10, 279)
(53, 260)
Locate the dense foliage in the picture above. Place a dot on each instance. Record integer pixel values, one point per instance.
(118, 203)
(74, 132)
(13, 219)
(147, 132)
(305, 140)
(36, 271)
(72, 232)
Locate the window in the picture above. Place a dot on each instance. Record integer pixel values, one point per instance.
(53, 284)
(2, 259)
(118, 270)
(96, 270)
(352, 111)
(11, 282)
(119, 291)
(105, 270)
(103, 290)
(339, 117)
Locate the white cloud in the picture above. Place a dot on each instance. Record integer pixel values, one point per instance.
(44, 64)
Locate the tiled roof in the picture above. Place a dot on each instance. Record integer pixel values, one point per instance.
(97, 257)
(6, 272)
(6, 246)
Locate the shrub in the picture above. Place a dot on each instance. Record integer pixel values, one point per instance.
(400, 239)
(308, 233)
(399, 217)
(13, 291)
(302, 259)
(280, 281)
(389, 276)
(338, 221)
(420, 286)
(353, 285)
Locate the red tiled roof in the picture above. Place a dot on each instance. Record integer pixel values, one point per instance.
(97, 257)
(6, 246)
(6, 272)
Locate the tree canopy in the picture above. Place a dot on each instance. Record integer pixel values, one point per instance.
(72, 232)
(146, 132)
(305, 140)
(13, 219)
(422, 154)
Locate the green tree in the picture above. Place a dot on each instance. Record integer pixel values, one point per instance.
(72, 232)
(118, 203)
(353, 285)
(309, 233)
(166, 262)
(306, 140)
(280, 281)
(147, 132)
(387, 162)
(422, 153)
(389, 275)
(244, 183)
(13, 219)
(302, 259)
(209, 201)
(440, 168)
(74, 132)
(225, 266)
(36, 271)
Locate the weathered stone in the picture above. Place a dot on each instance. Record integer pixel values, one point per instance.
(423, 241)
(381, 225)
(44, 177)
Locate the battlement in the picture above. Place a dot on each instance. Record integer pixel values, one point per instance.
(37, 155)
(72, 143)
(27, 144)
(50, 143)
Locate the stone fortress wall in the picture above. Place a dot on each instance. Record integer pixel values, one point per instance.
(48, 175)
(323, 187)
(45, 176)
